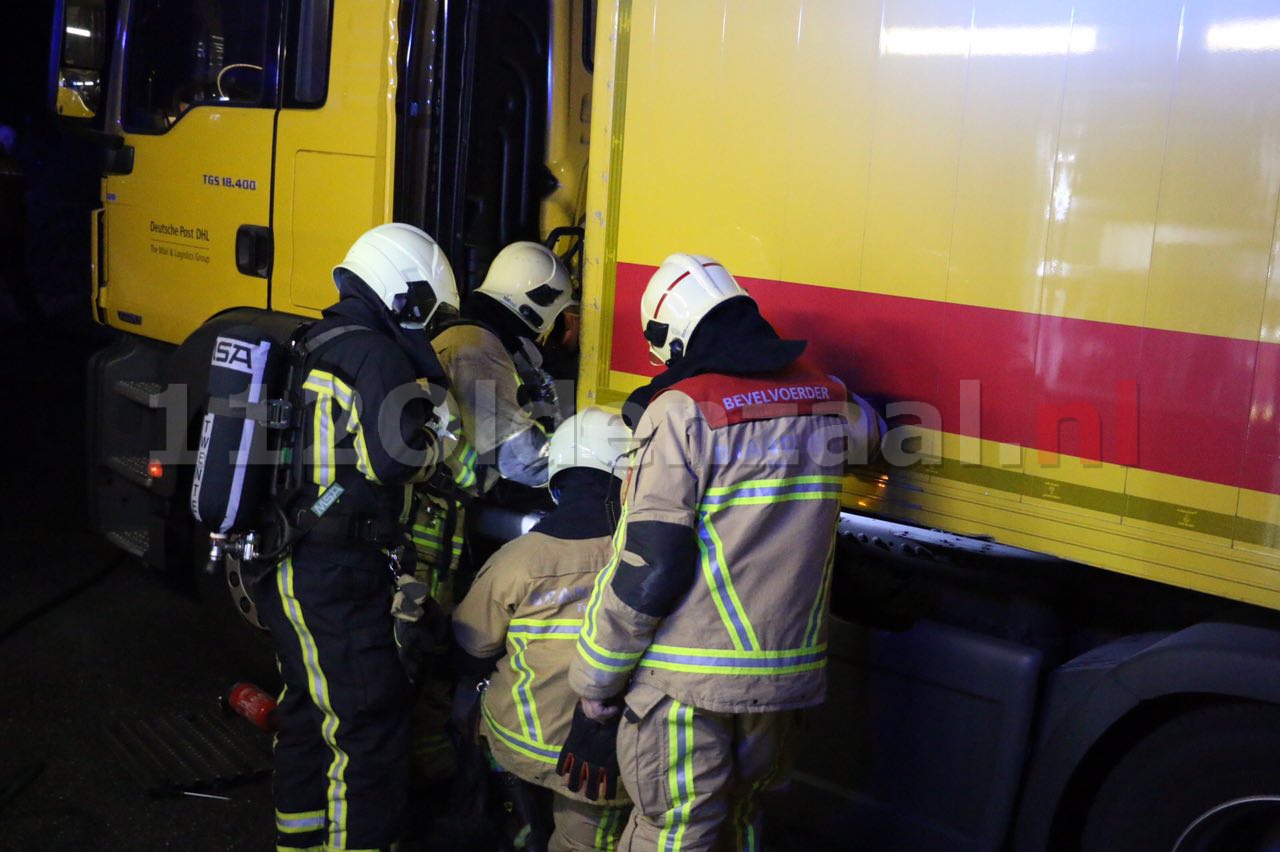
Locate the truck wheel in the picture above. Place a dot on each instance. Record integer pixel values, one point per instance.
(1206, 780)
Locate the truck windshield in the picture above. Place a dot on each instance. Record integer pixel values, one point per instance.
(183, 53)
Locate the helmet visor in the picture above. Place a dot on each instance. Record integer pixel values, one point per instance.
(415, 306)
(530, 316)
(656, 333)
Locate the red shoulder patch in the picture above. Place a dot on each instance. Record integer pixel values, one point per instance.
(793, 392)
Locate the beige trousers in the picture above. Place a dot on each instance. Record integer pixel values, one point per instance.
(695, 777)
(585, 827)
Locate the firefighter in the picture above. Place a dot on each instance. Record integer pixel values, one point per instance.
(341, 751)
(492, 358)
(494, 369)
(707, 632)
(493, 364)
(528, 601)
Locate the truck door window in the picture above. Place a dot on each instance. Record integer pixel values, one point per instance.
(310, 29)
(184, 53)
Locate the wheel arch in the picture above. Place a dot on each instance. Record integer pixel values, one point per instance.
(1105, 701)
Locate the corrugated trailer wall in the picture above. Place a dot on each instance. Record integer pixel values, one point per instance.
(1053, 224)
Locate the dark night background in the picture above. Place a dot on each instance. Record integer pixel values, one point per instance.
(88, 637)
(48, 184)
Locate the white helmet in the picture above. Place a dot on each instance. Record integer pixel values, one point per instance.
(531, 282)
(592, 438)
(683, 290)
(405, 269)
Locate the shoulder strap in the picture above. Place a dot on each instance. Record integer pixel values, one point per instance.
(277, 413)
(288, 479)
(311, 347)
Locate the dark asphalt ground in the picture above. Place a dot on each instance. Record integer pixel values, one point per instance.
(125, 643)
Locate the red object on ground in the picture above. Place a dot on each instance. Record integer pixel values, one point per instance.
(252, 703)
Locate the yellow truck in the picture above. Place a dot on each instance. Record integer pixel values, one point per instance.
(1041, 234)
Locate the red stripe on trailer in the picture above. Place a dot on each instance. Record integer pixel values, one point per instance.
(1208, 408)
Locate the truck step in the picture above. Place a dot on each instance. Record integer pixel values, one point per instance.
(146, 394)
(195, 750)
(135, 542)
(132, 468)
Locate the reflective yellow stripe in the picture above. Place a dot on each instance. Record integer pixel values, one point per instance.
(530, 629)
(697, 668)
(322, 446)
(522, 692)
(818, 611)
(539, 751)
(331, 389)
(761, 500)
(729, 662)
(588, 648)
(715, 568)
(720, 583)
(465, 457)
(610, 661)
(318, 688)
(749, 484)
(299, 823)
(755, 492)
(679, 775)
(607, 831)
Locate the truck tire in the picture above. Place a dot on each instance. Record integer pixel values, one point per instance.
(1208, 779)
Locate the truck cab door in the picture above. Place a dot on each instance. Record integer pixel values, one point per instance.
(188, 196)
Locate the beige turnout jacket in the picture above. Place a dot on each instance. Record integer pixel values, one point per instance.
(485, 384)
(717, 590)
(528, 599)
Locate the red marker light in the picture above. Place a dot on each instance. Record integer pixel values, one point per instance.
(154, 469)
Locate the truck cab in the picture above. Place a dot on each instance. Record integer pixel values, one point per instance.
(246, 143)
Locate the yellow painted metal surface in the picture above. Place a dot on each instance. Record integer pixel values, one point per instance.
(69, 103)
(569, 118)
(335, 164)
(1073, 145)
(603, 197)
(912, 185)
(171, 223)
(1216, 223)
(97, 277)
(1108, 167)
(1105, 171)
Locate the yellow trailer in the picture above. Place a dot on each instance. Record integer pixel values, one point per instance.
(1041, 234)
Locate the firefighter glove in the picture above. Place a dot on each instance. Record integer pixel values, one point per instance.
(589, 759)
(420, 626)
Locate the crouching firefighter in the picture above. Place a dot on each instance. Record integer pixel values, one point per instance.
(527, 601)
(493, 365)
(362, 440)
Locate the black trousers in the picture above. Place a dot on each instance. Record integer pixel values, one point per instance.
(341, 753)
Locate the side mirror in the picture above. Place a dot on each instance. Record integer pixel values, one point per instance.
(77, 58)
